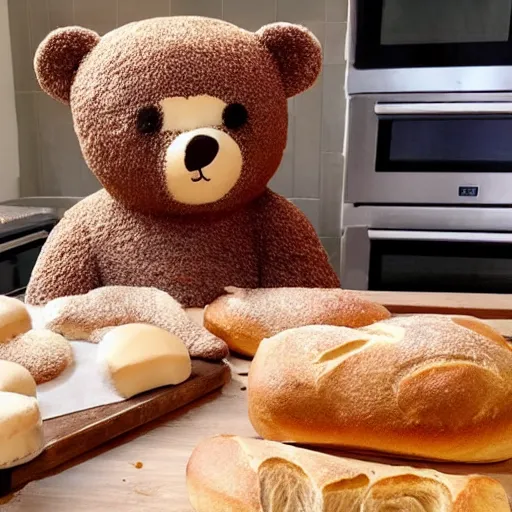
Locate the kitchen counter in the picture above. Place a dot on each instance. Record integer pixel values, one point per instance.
(108, 478)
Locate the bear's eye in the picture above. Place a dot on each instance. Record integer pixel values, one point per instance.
(149, 120)
(234, 116)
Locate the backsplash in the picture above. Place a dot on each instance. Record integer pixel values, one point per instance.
(311, 172)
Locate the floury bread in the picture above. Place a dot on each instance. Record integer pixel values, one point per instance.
(90, 316)
(427, 386)
(244, 317)
(246, 475)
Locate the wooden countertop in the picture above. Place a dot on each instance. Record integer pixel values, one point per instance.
(489, 306)
(107, 479)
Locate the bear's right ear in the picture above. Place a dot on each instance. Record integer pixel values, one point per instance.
(58, 57)
(297, 53)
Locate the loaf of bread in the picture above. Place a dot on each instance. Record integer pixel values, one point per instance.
(429, 387)
(14, 318)
(246, 475)
(243, 318)
(141, 357)
(21, 429)
(90, 316)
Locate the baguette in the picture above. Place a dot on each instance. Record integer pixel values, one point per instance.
(244, 317)
(232, 474)
(428, 387)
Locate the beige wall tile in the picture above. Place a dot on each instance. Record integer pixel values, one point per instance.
(250, 14)
(135, 10)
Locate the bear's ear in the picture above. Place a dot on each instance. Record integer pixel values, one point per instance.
(58, 57)
(297, 53)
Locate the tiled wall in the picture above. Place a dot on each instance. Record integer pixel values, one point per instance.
(312, 168)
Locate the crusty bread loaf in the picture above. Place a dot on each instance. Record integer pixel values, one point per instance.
(243, 317)
(90, 316)
(228, 473)
(428, 386)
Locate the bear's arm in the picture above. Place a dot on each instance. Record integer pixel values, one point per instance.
(66, 265)
(290, 252)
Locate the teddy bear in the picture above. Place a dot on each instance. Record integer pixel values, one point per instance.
(183, 120)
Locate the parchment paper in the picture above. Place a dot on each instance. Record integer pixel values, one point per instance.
(83, 385)
(80, 387)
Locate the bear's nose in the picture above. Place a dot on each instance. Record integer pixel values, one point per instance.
(200, 152)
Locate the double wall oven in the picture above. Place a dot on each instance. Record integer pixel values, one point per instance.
(428, 186)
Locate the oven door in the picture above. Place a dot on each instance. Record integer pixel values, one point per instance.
(17, 259)
(427, 261)
(432, 33)
(429, 152)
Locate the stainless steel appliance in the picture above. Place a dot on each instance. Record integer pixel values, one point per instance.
(417, 248)
(428, 193)
(23, 232)
(434, 45)
(429, 149)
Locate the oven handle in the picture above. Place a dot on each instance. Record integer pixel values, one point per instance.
(24, 240)
(439, 236)
(442, 108)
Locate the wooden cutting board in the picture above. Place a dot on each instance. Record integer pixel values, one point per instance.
(74, 434)
(485, 306)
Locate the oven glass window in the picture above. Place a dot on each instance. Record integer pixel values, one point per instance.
(440, 267)
(457, 144)
(445, 21)
(16, 267)
(433, 33)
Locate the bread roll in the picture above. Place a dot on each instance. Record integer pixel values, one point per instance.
(87, 317)
(14, 378)
(14, 318)
(140, 357)
(242, 318)
(43, 353)
(21, 429)
(421, 386)
(246, 475)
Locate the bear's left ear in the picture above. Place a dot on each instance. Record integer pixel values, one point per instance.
(297, 53)
(58, 57)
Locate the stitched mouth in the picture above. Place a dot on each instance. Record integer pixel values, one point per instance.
(200, 177)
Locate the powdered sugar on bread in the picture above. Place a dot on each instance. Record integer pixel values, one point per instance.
(244, 317)
(43, 353)
(421, 386)
(88, 317)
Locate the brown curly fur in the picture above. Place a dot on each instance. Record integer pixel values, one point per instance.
(134, 233)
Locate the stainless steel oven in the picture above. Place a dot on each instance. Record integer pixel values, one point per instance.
(23, 232)
(430, 45)
(429, 261)
(429, 149)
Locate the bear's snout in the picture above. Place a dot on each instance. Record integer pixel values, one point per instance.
(202, 165)
(200, 152)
